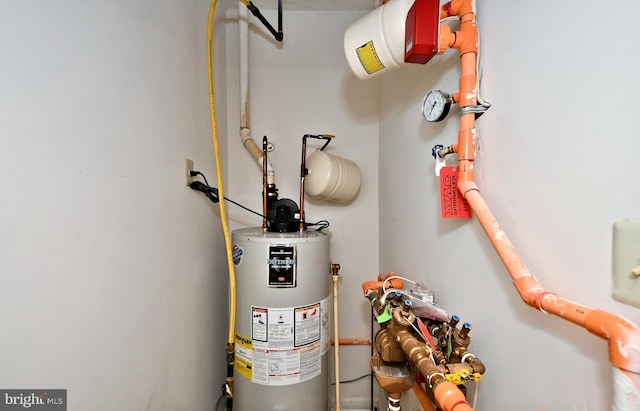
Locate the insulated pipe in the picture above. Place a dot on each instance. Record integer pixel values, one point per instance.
(623, 336)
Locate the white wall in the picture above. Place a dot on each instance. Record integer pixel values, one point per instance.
(556, 165)
(113, 274)
(114, 281)
(304, 86)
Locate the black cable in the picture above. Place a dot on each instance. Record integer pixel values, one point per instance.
(197, 173)
(219, 402)
(322, 224)
(212, 194)
(353, 379)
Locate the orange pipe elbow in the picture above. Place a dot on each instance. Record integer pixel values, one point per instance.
(369, 285)
(450, 398)
(374, 285)
(623, 337)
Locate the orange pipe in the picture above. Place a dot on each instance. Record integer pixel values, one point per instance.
(622, 335)
(425, 403)
(450, 398)
(374, 285)
(466, 41)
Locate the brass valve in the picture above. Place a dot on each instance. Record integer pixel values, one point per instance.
(407, 345)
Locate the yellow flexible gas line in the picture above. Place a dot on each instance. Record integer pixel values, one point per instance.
(216, 152)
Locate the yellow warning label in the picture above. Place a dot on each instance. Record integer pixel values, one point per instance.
(369, 58)
(244, 356)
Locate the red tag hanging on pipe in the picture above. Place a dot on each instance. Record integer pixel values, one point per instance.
(452, 203)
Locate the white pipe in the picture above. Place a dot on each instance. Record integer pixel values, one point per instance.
(336, 338)
(245, 129)
(626, 390)
(243, 29)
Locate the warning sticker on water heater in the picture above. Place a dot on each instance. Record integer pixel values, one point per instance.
(287, 344)
(307, 328)
(244, 356)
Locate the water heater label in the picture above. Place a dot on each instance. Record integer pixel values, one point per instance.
(307, 326)
(286, 344)
(282, 266)
(244, 356)
(237, 254)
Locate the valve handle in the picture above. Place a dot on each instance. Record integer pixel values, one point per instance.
(463, 376)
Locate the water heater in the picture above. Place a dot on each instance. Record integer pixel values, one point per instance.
(282, 320)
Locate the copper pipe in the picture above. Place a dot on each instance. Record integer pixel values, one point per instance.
(352, 341)
(264, 182)
(447, 395)
(303, 174)
(418, 354)
(421, 395)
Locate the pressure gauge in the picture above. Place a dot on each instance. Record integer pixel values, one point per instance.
(435, 106)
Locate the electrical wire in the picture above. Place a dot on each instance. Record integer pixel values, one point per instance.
(219, 402)
(353, 379)
(392, 290)
(475, 394)
(384, 284)
(213, 195)
(479, 98)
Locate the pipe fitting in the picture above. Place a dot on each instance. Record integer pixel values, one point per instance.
(450, 398)
(623, 338)
(456, 8)
(403, 317)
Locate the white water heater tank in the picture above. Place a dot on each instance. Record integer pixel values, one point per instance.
(282, 320)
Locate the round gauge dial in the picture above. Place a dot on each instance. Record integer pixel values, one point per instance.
(435, 106)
